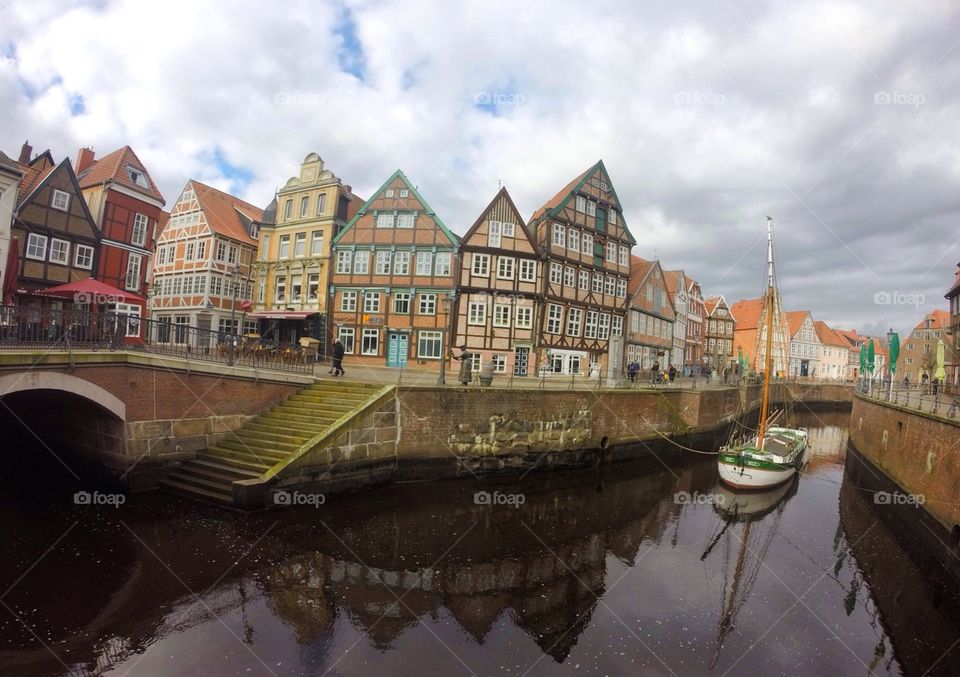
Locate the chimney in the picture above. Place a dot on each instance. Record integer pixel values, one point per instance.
(25, 153)
(84, 160)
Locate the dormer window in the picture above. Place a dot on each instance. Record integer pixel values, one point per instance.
(137, 177)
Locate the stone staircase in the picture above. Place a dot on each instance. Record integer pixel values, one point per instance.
(266, 440)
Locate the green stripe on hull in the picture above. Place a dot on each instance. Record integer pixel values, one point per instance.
(727, 459)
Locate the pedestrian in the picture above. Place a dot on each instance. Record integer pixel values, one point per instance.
(906, 380)
(726, 374)
(655, 372)
(336, 358)
(708, 372)
(672, 373)
(466, 364)
(632, 370)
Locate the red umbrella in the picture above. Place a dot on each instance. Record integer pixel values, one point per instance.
(10, 276)
(90, 291)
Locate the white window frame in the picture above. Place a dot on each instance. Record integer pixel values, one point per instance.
(586, 244)
(574, 320)
(345, 333)
(573, 240)
(59, 197)
(299, 245)
(477, 313)
(348, 302)
(507, 229)
(505, 267)
(554, 318)
(590, 326)
(132, 282)
(406, 220)
(623, 254)
(569, 276)
(374, 335)
(140, 225)
(501, 315)
(493, 233)
(361, 263)
(382, 264)
(316, 242)
(556, 273)
(560, 235)
(85, 260)
(528, 270)
(424, 263)
(401, 263)
(432, 340)
(581, 204)
(481, 265)
(443, 267)
(524, 318)
(344, 261)
(427, 304)
(36, 241)
(401, 297)
(283, 248)
(63, 246)
(371, 302)
(583, 281)
(384, 220)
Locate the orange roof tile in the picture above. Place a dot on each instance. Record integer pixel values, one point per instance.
(638, 271)
(561, 196)
(671, 277)
(828, 336)
(746, 313)
(112, 167)
(940, 319)
(223, 211)
(33, 174)
(795, 319)
(711, 303)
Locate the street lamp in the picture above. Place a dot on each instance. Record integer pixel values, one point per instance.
(891, 364)
(235, 279)
(446, 300)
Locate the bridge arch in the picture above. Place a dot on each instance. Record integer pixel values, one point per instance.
(56, 380)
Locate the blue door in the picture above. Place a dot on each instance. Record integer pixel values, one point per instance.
(397, 349)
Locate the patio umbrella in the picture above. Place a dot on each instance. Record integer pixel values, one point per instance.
(871, 357)
(940, 373)
(894, 352)
(90, 291)
(10, 273)
(863, 361)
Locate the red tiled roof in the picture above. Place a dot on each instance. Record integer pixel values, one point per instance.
(828, 336)
(559, 197)
(222, 212)
(955, 289)
(33, 174)
(638, 271)
(113, 167)
(746, 313)
(711, 303)
(671, 277)
(940, 320)
(795, 319)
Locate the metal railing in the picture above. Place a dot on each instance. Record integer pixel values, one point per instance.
(935, 398)
(56, 329)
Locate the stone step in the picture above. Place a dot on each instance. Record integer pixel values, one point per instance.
(190, 491)
(326, 398)
(274, 452)
(217, 464)
(325, 409)
(195, 469)
(280, 417)
(190, 473)
(230, 457)
(278, 426)
(284, 435)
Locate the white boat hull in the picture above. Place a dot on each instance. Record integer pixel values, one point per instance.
(745, 477)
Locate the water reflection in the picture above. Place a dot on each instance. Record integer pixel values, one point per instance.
(599, 570)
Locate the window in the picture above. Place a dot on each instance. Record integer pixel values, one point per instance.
(587, 244)
(262, 290)
(405, 220)
(428, 304)
(316, 243)
(201, 250)
(501, 315)
(347, 335)
(424, 263)
(477, 312)
(344, 261)
(321, 203)
(622, 288)
(348, 301)
(83, 256)
(284, 247)
(296, 287)
(612, 252)
(528, 271)
(617, 329)
(37, 247)
(389, 192)
(554, 318)
(623, 254)
(281, 289)
(443, 264)
(429, 344)
(300, 245)
(581, 203)
(304, 206)
(232, 254)
(524, 317)
(481, 265)
(401, 263)
(559, 235)
(371, 302)
(132, 280)
(288, 210)
(499, 362)
(188, 251)
(59, 251)
(505, 267)
(507, 229)
(584, 280)
(569, 276)
(384, 220)
(493, 234)
(404, 192)
(60, 200)
(139, 235)
(573, 240)
(591, 208)
(612, 214)
(371, 342)
(634, 321)
(590, 328)
(574, 317)
(609, 285)
(401, 303)
(383, 263)
(597, 283)
(361, 263)
(313, 286)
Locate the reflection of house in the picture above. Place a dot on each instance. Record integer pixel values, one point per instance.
(805, 345)
(677, 289)
(586, 245)
(834, 352)
(718, 333)
(918, 351)
(650, 319)
(498, 304)
(210, 239)
(750, 334)
(10, 175)
(56, 234)
(293, 262)
(393, 279)
(126, 204)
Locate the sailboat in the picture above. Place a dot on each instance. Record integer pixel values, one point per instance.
(777, 452)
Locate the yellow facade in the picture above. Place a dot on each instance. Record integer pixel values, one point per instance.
(292, 267)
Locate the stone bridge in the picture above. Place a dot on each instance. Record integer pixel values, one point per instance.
(129, 414)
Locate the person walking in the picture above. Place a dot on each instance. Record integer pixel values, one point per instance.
(336, 361)
(672, 373)
(632, 370)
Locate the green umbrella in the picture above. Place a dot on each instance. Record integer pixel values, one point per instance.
(941, 374)
(863, 361)
(894, 351)
(871, 361)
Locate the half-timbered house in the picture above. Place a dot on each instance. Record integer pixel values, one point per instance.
(693, 355)
(498, 306)
(393, 280)
(204, 263)
(718, 333)
(586, 244)
(651, 316)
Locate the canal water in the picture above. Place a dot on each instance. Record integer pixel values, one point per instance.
(640, 568)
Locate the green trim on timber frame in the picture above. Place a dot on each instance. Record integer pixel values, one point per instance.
(613, 191)
(428, 210)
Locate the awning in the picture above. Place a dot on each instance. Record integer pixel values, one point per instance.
(90, 291)
(283, 314)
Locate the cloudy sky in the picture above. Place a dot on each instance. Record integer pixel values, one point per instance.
(838, 119)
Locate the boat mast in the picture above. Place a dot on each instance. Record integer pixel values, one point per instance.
(768, 302)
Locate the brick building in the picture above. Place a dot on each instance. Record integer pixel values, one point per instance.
(651, 318)
(718, 328)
